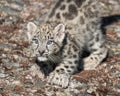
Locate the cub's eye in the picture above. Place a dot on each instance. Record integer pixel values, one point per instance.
(35, 40)
(49, 42)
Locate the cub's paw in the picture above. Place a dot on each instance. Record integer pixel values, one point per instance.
(90, 63)
(35, 71)
(61, 79)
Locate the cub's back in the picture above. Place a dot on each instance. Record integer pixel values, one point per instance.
(74, 11)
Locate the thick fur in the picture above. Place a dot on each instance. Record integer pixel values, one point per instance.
(65, 44)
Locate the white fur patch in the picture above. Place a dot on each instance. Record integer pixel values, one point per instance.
(42, 58)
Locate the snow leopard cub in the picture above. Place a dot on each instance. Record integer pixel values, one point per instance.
(72, 28)
(55, 43)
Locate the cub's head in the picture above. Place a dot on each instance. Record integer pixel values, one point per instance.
(46, 40)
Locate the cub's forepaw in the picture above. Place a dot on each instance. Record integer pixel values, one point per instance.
(35, 71)
(90, 63)
(61, 79)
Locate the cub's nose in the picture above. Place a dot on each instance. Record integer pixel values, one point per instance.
(41, 52)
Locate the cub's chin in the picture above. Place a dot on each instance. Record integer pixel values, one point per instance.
(42, 58)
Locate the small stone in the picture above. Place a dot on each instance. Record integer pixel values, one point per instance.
(16, 83)
(41, 83)
(8, 66)
(2, 75)
(91, 89)
(6, 49)
(33, 91)
(15, 57)
(4, 55)
(28, 77)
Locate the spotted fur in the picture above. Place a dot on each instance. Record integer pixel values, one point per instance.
(71, 29)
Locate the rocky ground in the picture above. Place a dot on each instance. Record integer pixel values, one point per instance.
(16, 78)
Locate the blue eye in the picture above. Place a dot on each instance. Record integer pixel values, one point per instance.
(49, 42)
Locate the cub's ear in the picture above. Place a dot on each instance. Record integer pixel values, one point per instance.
(31, 29)
(59, 32)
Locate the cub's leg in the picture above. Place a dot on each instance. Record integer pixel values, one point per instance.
(62, 73)
(98, 52)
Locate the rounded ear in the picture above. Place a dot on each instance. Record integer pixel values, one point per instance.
(31, 29)
(59, 32)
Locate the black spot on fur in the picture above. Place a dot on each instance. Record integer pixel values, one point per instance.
(72, 9)
(76, 61)
(62, 69)
(57, 70)
(91, 58)
(58, 15)
(69, 62)
(69, 1)
(96, 58)
(62, 7)
(97, 38)
(65, 56)
(91, 44)
(66, 66)
(74, 48)
(74, 56)
(93, 50)
(79, 2)
(69, 71)
(72, 12)
(72, 67)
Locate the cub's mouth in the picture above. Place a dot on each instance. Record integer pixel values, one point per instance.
(42, 57)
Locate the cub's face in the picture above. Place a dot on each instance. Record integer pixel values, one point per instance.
(45, 41)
